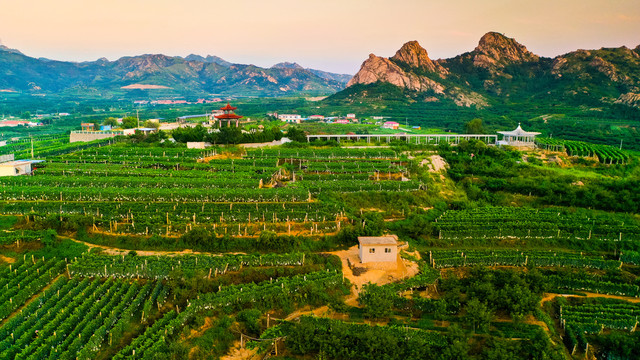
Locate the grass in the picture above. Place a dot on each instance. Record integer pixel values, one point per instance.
(7, 222)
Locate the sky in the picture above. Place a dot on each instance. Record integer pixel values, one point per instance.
(330, 35)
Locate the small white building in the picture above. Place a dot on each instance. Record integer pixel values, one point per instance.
(351, 116)
(378, 248)
(316, 117)
(518, 138)
(290, 118)
(15, 168)
(197, 144)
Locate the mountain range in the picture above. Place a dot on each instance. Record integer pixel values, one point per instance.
(501, 70)
(498, 71)
(150, 74)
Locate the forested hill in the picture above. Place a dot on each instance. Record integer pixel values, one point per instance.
(502, 71)
(193, 75)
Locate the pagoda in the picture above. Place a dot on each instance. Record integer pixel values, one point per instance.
(228, 115)
(518, 138)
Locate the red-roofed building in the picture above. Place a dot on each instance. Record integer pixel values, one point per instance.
(228, 115)
(391, 125)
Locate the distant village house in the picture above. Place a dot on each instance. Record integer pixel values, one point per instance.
(290, 118)
(391, 125)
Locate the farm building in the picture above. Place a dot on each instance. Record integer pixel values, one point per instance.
(290, 118)
(390, 125)
(17, 167)
(378, 248)
(197, 145)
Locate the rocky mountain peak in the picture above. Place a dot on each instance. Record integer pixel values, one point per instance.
(377, 68)
(496, 50)
(287, 65)
(413, 54)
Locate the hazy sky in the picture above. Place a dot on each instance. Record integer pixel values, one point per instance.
(333, 35)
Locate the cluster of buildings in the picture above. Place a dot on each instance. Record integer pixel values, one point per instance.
(176, 102)
(297, 118)
(14, 123)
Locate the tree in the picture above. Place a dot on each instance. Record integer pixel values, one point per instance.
(295, 134)
(229, 135)
(478, 314)
(129, 122)
(439, 310)
(189, 134)
(26, 115)
(377, 300)
(110, 121)
(474, 127)
(152, 124)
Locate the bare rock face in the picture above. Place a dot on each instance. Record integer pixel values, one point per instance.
(416, 56)
(496, 50)
(605, 67)
(582, 63)
(376, 68)
(629, 99)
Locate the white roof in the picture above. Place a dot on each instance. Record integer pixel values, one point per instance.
(518, 132)
(378, 240)
(16, 163)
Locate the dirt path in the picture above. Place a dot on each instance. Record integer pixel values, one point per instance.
(8, 260)
(109, 250)
(208, 323)
(238, 353)
(550, 297)
(530, 319)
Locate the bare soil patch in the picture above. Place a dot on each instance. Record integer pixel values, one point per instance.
(239, 353)
(436, 163)
(377, 273)
(549, 297)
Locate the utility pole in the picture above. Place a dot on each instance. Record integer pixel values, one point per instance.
(620, 144)
(138, 117)
(31, 136)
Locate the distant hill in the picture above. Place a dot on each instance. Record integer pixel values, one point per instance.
(208, 59)
(192, 75)
(501, 70)
(342, 78)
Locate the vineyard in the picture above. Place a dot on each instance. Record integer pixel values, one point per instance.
(161, 267)
(73, 318)
(50, 145)
(20, 281)
(503, 222)
(165, 191)
(298, 289)
(130, 249)
(456, 258)
(606, 154)
(579, 320)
